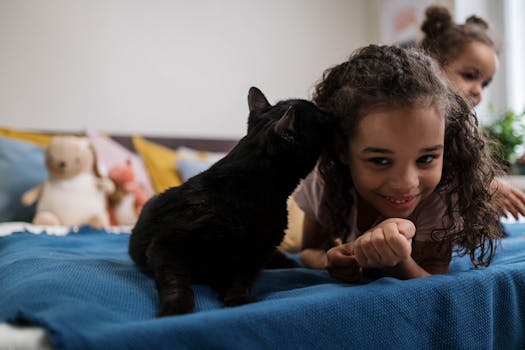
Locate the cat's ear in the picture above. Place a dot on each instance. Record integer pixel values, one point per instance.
(284, 127)
(257, 102)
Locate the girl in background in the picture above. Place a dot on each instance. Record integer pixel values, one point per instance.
(405, 182)
(467, 55)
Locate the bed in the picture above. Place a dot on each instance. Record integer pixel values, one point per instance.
(76, 288)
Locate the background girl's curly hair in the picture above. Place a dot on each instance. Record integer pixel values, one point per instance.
(390, 77)
(445, 40)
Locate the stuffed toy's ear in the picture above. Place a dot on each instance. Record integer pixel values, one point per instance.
(284, 127)
(257, 102)
(96, 166)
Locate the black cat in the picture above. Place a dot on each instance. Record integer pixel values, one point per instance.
(222, 226)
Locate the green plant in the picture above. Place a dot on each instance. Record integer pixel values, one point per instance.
(507, 133)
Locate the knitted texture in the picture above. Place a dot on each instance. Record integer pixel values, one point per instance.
(84, 290)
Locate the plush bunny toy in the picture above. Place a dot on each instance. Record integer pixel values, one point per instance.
(74, 193)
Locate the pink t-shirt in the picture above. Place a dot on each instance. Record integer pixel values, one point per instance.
(427, 216)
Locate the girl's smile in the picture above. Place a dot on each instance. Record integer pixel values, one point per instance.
(401, 203)
(396, 158)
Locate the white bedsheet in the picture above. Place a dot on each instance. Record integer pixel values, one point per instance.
(23, 338)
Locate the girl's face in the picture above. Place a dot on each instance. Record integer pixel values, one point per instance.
(396, 158)
(473, 70)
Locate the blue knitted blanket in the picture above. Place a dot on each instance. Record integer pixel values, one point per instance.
(84, 290)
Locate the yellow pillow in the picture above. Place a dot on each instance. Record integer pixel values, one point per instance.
(293, 238)
(160, 162)
(40, 139)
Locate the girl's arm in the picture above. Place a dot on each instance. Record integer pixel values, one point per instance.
(428, 258)
(315, 238)
(388, 247)
(433, 257)
(343, 264)
(508, 198)
(396, 257)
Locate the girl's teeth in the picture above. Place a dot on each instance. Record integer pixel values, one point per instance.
(397, 201)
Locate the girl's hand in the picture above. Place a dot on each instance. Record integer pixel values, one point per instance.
(509, 199)
(385, 245)
(342, 264)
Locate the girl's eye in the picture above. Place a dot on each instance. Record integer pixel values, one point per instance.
(485, 84)
(469, 76)
(426, 159)
(379, 161)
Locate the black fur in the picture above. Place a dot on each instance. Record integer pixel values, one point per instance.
(222, 226)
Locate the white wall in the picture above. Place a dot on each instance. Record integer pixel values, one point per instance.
(166, 67)
(174, 67)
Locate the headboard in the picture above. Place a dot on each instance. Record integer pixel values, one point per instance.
(201, 144)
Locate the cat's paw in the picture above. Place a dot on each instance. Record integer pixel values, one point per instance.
(176, 304)
(240, 300)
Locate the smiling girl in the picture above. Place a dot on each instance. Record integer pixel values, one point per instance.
(406, 180)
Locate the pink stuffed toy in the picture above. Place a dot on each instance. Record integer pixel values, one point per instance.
(129, 197)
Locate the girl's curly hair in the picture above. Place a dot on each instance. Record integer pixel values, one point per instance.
(445, 40)
(389, 76)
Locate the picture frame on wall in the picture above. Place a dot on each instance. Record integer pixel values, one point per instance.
(401, 20)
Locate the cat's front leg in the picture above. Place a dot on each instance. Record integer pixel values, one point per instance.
(239, 294)
(175, 299)
(173, 282)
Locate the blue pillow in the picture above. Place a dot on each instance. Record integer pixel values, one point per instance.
(190, 167)
(22, 167)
